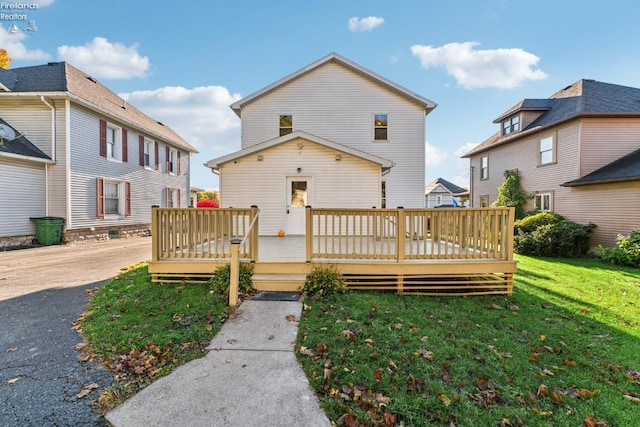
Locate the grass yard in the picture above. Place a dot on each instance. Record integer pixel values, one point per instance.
(563, 350)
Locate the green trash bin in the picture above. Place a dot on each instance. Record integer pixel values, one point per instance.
(48, 230)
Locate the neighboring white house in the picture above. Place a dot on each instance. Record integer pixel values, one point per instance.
(442, 193)
(73, 149)
(332, 134)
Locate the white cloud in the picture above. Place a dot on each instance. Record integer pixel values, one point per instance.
(44, 3)
(12, 43)
(434, 155)
(365, 24)
(199, 115)
(464, 149)
(472, 68)
(104, 59)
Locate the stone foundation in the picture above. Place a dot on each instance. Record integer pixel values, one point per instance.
(81, 235)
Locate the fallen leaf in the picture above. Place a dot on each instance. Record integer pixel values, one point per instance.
(493, 307)
(426, 354)
(12, 349)
(631, 397)
(291, 318)
(543, 337)
(548, 372)
(585, 394)
(592, 421)
(543, 391)
(393, 364)
(232, 341)
(85, 391)
(557, 398)
(13, 380)
(228, 360)
(569, 362)
(444, 399)
(377, 375)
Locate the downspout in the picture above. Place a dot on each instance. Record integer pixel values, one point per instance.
(53, 153)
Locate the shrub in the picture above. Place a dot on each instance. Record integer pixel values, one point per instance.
(627, 252)
(558, 239)
(530, 223)
(221, 279)
(323, 281)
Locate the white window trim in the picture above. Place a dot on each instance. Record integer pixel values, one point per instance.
(484, 178)
(553, 150)
(280, 115)
(121, 199)
(148, 143)
(373, 122)
(541, 196)
(509, 127)
(173, 154)
(117, 145)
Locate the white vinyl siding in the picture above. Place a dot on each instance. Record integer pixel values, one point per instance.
(349, 182)
(147, 188)
(338, 104)
(22, 196)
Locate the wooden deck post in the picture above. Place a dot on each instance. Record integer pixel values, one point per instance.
(235, 272)
(255, 233)
(155, 232)
(400, 235)
(309, 233)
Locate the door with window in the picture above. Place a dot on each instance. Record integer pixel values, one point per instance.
(298, 197)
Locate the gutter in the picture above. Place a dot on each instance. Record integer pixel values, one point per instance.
(30, 158)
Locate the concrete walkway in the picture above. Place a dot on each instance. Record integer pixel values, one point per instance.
(249, 377)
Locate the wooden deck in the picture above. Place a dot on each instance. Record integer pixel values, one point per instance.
(442, 251)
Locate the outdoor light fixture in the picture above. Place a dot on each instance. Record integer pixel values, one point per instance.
(300, 148)
(299, 170)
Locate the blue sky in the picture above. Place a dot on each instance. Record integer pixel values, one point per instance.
(183, 63)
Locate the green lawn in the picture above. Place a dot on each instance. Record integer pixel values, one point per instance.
(563, 350)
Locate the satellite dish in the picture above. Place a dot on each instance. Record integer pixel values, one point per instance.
(6, 132)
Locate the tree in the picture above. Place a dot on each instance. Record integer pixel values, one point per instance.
(209, 195)
(4, 59)
(510, 193)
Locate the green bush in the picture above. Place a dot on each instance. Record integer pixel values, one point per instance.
(557, 239)
(323, 281)
(627, 252)
(221, 279)
(530, 223)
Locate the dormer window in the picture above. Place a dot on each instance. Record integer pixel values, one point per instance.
(511, 125)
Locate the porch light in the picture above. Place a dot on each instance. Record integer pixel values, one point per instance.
(299, 170)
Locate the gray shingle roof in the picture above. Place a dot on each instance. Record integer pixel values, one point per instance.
(583, 98)
(62, 77)
(21, 145)
(453, 189)
(626, 168)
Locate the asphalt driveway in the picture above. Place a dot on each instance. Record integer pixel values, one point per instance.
(43, 290)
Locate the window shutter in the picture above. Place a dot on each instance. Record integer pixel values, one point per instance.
(178, 163)
(141, 149)
(125, 146)
(157, 155)
(103, 138)
(178, 194)
(127, 198)
(100, 197)
(168, 150)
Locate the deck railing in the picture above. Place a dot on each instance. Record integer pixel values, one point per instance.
(203, 232)
(410, 234)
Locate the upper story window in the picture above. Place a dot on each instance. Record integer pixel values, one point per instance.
(113, 142)
(380, 127)
(286, 124)
(511, 125)
(147, 149)
(546, 150)
(172, 160)
(484, 167)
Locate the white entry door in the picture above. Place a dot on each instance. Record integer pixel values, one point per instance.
(298, 197)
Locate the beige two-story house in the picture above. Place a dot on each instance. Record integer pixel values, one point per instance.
(577, 153)
(332, 134)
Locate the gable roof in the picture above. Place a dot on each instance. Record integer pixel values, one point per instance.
(584, 98)
(20, 147)
(450, 187)
(216, 163)
(60, 79)
(626, 168)
(334, 57)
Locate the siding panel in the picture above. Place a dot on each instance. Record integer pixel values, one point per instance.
(22, 196)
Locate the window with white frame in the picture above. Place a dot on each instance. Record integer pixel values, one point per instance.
(383, 195)
(113, 198)
(484, 201)
(286, 124)
(511, 125)
(173, 197)
(380, 129)
(484, 167)
(546, 150)
(147, 153)
(172, 162)
(113, 142)
(542, 202)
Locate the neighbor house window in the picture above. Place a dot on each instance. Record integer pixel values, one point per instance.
(113, 142)
(113, 197)
(484, 167)
(173, 197)
(511, 125)
(543, 202)
(383, 195)
(286, 124)
(484, 201)
(380, 127)
(546, 150)
(173, 161)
